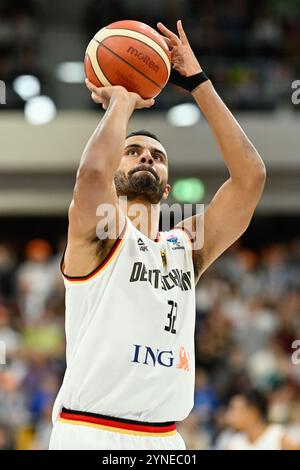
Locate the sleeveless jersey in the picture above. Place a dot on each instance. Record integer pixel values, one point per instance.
(130, 331)
(269, 440)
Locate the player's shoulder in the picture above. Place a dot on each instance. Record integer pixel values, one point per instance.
(275, 429)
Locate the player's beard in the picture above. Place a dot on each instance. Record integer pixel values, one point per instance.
(140, 184)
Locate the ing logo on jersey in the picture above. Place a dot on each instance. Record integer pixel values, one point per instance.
(145, 355)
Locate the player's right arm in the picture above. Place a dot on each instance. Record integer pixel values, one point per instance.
(94, 182)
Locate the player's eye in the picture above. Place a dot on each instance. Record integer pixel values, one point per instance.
(157, 156)
(132, 152)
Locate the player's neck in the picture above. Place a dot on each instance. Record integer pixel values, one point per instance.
(255, 431)
(145, 217)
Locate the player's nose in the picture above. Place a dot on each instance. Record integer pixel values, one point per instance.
(146, 157)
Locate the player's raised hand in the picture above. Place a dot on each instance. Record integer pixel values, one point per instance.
(139, 102)
(103, 95)
(182, 55)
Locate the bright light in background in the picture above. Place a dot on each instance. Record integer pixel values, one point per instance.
(40, 110)
(27, 86)
(70, 72)
(190, 190)
(182, 115)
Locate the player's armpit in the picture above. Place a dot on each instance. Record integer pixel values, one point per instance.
(194, 228)
(95, 222)
(227, 217)
(224, 221)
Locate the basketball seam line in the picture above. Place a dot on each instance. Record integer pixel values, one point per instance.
(127, 63)
(139, 40)
(101, 67)
(95, 65)
(91, 64)
(139, 32)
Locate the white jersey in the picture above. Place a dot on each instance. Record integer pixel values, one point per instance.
(130, 331)
(270, 440)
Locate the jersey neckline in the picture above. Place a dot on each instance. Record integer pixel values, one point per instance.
(157, 238)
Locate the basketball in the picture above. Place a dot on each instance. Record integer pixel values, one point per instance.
(131, 54)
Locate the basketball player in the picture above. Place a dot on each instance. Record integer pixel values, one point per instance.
(130, 298)
(247, 414)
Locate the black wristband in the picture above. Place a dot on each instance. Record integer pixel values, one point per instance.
(187, 83)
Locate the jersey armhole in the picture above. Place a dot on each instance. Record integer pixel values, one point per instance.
(190, 239)
(103, 263)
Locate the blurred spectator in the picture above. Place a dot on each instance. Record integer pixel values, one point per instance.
(7, 267)
(194, 436)
(267, 31)
(19, 28)
(43, 427)
(248, 416)
(13, 410)
(222, 432)
(44, 335)
(35, 279)
(205, 398)
(6, 440)
(99, 14)
(294, 422)
(10, 337)
(274, 273)
(269, 365)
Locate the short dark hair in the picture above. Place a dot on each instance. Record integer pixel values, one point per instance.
(258, 400)
(144, 132)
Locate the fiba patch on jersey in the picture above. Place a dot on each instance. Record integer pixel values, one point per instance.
(175, 242)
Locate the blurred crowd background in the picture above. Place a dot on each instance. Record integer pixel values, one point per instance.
(248, 315)
(253, 46)
(248, 303)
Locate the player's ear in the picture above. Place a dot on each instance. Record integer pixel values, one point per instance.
(167, 191)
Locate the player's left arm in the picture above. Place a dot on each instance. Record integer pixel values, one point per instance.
(232, 208)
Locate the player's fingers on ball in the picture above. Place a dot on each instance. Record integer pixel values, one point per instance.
(96, 98)
(167, 32)
(181, 32)
(165, 38)
(149, 103)
(145, 103)
(89, 85)
(168, 41)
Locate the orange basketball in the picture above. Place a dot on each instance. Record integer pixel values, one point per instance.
(131, 54)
